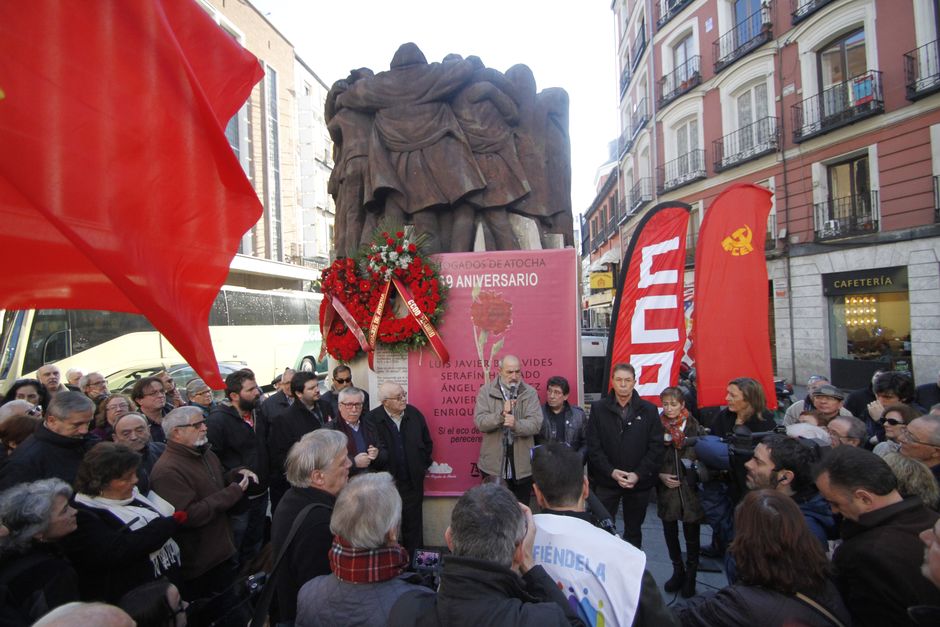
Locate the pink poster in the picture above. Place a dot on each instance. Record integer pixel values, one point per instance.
(521, 303)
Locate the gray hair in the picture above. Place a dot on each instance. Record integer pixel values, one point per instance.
(25, 510)
(83, 381)
(366, 510)
(351, 391)
(487, 523)
(14, 408)
(64, 404)
(179, 417)
(389, 390)
(857, 428)
(932, 422)
(914, 478)
(314, 451)
(196, 385)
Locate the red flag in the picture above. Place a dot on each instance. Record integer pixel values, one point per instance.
(648, 326)
(730, 328)
(118, 188)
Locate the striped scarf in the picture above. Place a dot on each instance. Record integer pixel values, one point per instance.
(354, 565)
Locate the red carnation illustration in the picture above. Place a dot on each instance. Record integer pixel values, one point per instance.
(491, 314)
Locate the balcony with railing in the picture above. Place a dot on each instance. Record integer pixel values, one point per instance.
(749, 34)
(922, 71)
(680, 80)
(842, 104)
(625, 77)
(836, 218)
(668, 9)
(682, 171)
(625, 142)
(802, 9)
(636, 50)
(639, 118)
(747, 143)
(640, 194)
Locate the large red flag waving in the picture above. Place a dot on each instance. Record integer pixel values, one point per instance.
(118, 188)
(730, 331)
(648, 325)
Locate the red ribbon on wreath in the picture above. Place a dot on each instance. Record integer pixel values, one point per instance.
(334, 305)
(414, 311)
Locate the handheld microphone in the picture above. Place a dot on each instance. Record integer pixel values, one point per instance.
(513, 392)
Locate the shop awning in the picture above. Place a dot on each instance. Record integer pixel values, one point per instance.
(611, 256)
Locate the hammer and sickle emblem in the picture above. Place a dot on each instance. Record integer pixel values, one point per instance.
(739, 242)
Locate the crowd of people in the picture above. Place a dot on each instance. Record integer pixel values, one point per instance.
(166, 506)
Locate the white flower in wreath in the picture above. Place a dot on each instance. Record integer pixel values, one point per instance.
(393, 256)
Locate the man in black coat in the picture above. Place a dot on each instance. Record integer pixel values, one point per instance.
(625, 451)
(317, 470)
(58, 445)
(234, 439)
(405, 433)
(490, 578)
(307, 413)
(878, 564)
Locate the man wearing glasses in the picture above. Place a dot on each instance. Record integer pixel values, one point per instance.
(847, 431)
(921, 441)
(366, 452)
(404, 431)
(342, 379)
(131, 430)
(150, 397)
(190, 476)
(93, 386)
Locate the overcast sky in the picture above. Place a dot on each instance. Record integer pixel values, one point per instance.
(567, 43)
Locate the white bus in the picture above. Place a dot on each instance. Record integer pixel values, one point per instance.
(265, 330)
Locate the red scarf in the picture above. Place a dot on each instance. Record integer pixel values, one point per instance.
(673, 427)
(354, 565)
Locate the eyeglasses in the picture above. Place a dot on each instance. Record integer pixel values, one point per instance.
(344, 381)
(35, 411)
(909, 437)
(351, 405)
(400, 397)
(91, 383)
(196, 424)
(206, 391)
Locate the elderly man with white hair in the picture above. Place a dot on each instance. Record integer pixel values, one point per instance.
(191, 478)
(367, 562)
(317, 469)
(404, 431)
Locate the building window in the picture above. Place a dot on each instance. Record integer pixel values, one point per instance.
(691, 236)
(840, 61)
(850, 207)
(275, 226)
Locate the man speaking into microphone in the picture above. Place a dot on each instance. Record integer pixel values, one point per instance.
(507, 411)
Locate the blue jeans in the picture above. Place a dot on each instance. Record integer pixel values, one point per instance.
(248, 530)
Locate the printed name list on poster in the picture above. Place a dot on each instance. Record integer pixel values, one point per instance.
(520, 303)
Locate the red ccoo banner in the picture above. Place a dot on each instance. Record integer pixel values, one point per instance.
(648, 327)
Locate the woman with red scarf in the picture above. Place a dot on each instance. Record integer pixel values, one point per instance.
(367, 563)
(676, 493)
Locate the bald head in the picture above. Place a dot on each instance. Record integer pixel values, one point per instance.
(15, 408)
(98, 614)
(132, 431)
(510, 370)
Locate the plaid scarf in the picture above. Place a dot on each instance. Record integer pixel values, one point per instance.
(354, 565)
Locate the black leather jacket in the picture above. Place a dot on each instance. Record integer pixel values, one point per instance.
(575, 424)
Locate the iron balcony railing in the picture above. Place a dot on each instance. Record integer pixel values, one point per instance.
(625, 141)
(641, 193)
(639, 118)
(624, 209)
(682, 171)
(747, 143)
(668, 9)
(636, 51)
(922, 71)
(844, 217)
(802, 9)
(625, 77)
(689, 252)
(749, 34)
(840, 105)
(680, 80)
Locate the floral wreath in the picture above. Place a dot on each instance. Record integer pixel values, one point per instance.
(361, 285)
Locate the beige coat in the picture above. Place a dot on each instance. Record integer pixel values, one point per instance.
(488, 418)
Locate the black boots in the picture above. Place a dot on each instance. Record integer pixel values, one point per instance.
(692, 547)
(678, 578)
(688, 585)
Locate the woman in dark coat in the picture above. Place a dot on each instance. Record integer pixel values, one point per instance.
(676, 493)
(783, 573)
(34, 575)
(123, 538)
